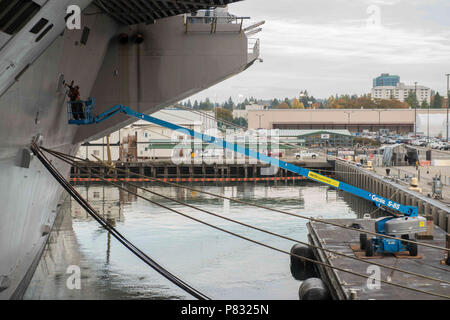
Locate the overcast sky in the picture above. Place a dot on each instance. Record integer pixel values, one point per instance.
(339, 46)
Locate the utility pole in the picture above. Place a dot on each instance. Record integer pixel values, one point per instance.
(448, 100)
(428, 124)
(415, 109)
(348, 116)
(379, 120)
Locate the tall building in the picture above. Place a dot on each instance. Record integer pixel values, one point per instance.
(401, 91)
(386, 80)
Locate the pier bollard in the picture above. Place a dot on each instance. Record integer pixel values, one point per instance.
(415, 185)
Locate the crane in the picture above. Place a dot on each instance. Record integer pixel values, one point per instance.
(408, 222)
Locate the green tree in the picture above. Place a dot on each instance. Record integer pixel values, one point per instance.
(437, 101)
(240, 122)
(411, 100)
(206, 105)
(424, 104)
(274, 103)
(229, 104)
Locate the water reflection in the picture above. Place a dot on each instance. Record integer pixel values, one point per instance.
(221, 266)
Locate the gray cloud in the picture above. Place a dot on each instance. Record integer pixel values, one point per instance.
(328, 46)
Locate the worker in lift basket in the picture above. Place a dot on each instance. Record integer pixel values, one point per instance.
(77, 107)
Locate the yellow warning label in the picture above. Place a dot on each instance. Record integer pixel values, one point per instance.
(323, 179)
(421, 224)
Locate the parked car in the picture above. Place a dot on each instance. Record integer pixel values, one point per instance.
(437, 145)
(391, 141)
(423, 142)
(404, 140)
(304, 154)
(275, 154)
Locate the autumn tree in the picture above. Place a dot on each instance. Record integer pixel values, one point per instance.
(283, 105)
(223, 114)
(297, 104)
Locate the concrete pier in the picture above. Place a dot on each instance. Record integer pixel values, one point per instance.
(342, 284)
(391, 188)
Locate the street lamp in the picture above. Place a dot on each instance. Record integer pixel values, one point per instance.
(348, 115)
(428, 124)
(379, 119)
(259, 116)
(448, 100)
(415, 109)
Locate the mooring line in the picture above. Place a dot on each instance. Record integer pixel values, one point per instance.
(70, 157)
(269, 232)
(139, 253)
(269, 246)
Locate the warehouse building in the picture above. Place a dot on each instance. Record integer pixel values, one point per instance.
(315, 138)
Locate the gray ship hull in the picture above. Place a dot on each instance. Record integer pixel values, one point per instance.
(170, 65)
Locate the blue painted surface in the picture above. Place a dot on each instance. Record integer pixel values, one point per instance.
(384, 245)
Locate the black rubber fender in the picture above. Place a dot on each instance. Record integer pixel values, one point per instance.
(314, 289)
(302, 269)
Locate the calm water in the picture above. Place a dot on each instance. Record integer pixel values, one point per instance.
(219, 265)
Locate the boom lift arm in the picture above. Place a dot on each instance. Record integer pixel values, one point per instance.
(378, 200)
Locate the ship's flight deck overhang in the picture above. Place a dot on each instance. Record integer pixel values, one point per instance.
(131, 12)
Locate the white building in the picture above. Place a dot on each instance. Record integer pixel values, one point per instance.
(401, 92)
(154, 141)
(239, 113)
(145, 140)
(434, 124)
(99, 148)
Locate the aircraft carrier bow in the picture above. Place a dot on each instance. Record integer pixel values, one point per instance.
(144, 53)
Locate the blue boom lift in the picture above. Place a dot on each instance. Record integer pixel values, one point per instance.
(405, 224)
